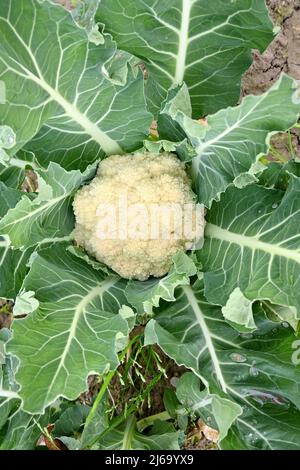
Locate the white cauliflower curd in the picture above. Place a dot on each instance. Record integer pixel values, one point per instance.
(137, 213)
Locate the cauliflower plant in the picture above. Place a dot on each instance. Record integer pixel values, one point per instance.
(137, 213)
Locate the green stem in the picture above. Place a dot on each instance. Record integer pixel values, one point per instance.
(149, 420)
(291, 146)
(119, 419)
(105, 385)
(114, 423)
(128, 433)
(99, 397)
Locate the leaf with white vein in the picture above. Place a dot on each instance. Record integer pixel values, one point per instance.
(126, 437)
(253, 370)
(18, 430)
(252, 241)
(237, 137)
(12, 176)
(72, 334)
(23, 431)
(206, 44)
(230, 143)
(62, 93)
(12, 262)
(8, 397)
(12, 268)
(147, 294)
(50, 215)
(9, 197)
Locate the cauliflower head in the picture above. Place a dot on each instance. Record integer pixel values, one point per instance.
(137, 212)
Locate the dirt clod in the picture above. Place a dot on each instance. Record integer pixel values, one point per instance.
(283, 54)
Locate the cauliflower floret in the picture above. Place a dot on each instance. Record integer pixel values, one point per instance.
(137, 213)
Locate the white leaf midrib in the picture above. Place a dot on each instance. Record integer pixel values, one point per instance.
(219, 233)
(208, 339)
(183, 40)
(108, 145)
(41, 208)
(8, 394)
(98, 290)
(239, 122)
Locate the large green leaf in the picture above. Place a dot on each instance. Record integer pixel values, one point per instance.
(18, 430)
(126, 437)
(12, 176)
(71, 420)
(8, 398)
(218, 411)
(254, 370)
(206, 44)
(12, 268)
(72, 334)
(253, 243)
(83, 12)
(276, 175)
(63, 93)
(8, 197)
(49, 216)
(22, 431)
(12, 262)
(94, 426)
(230, 144)
(147, 294)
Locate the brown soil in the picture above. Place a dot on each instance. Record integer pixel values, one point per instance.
(5, 313)
(30, 183)
(131, 383)
(283, 55)
(141, 378)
